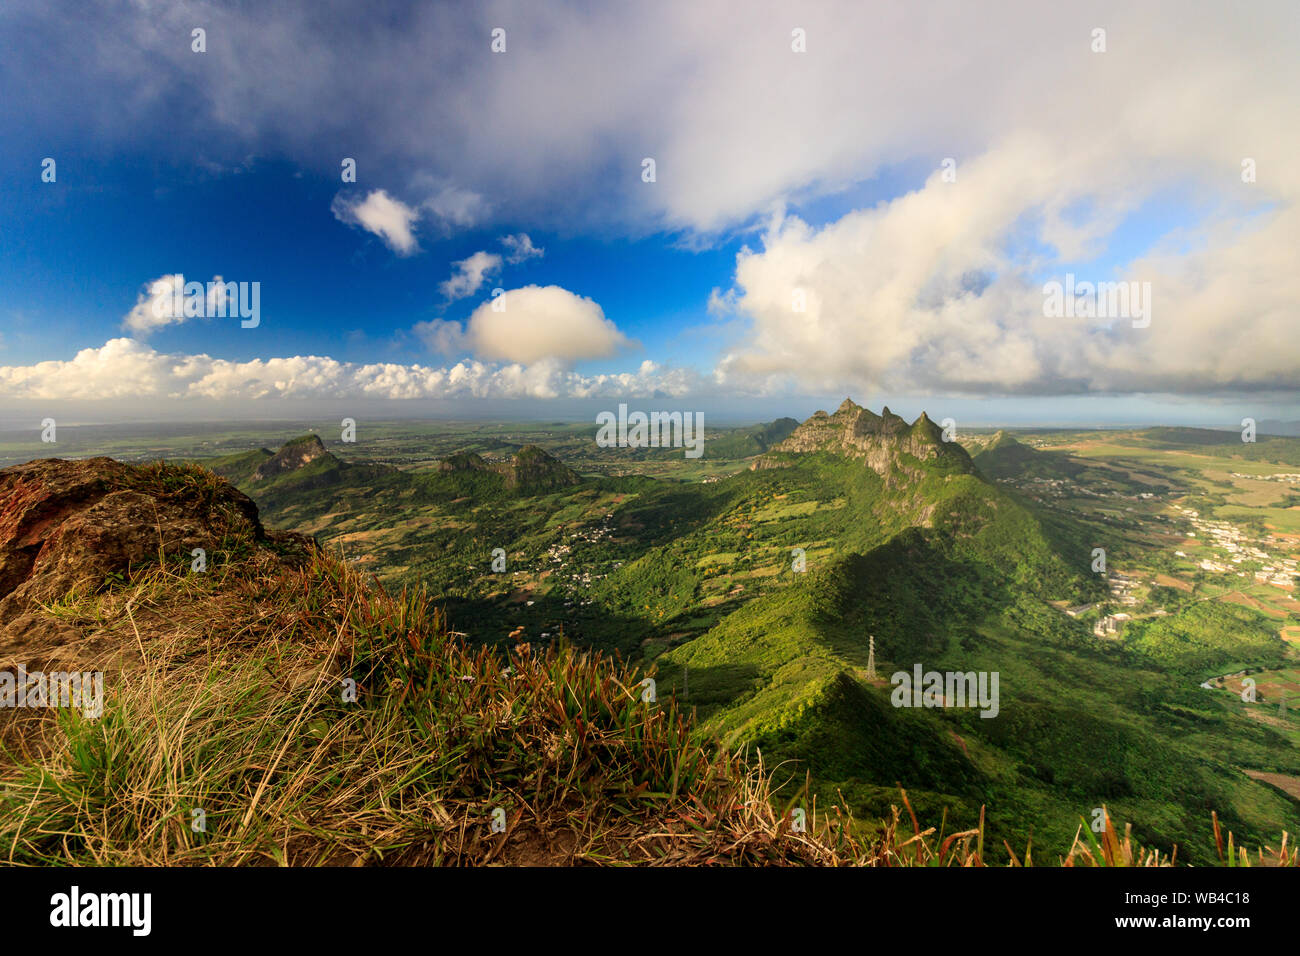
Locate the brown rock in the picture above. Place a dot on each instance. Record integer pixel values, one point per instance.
(292, 455)
(68, 525)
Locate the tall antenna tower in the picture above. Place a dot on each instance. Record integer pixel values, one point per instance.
(871, 658)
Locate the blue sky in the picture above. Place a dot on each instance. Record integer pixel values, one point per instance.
(77, 256)
(817, 174)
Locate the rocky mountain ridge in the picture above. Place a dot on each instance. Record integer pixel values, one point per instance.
(883, 442)
(532, 469)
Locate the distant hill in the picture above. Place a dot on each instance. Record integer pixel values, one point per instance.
(293, 455)
(1226, 443)
(304, 479)
(532, 470)
(1274, 427)
(1005, 457)
(1180, 436)
(748, 442)
(303, 460)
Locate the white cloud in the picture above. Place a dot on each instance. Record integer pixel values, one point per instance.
(379, 213)
(556, 129)
(469, 274)
(924, 293)
(923, 290)
(520, 248)
(441, 337)
(542, 322)
(124, 368)
(155, 307)
(721, 303)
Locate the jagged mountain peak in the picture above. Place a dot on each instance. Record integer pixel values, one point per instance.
(884, 441)
(925, 426)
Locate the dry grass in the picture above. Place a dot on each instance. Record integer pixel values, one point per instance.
(227, 698)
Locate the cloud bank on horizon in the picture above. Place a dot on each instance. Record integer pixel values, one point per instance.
(1045, 156)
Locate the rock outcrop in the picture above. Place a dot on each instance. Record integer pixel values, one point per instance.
(535, 471)
(532, 470)
(293, 455)
(884, 442)
(67, 526)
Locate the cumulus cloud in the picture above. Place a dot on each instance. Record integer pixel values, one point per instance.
(379, 213)
(520, 248)
(931, 291)
(156, 305)
(527, 325)
(469, 274)
(128, 369)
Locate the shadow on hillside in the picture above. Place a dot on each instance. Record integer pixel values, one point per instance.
(546, 621)
(707, 688)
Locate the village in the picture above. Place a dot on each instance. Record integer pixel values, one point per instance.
(1214, 555)
(1232, 553)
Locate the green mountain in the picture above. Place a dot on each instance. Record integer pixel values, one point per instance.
(748, 442)
(533, 471)
(756, 597)
(294, 455)
(1005, 457)
(301, 464)
(530, 471)
(958, 577)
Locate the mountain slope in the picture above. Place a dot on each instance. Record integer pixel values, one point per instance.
(294, 455)
(957, 577)
(747, 442)
(903, 538)
(1005, 457)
